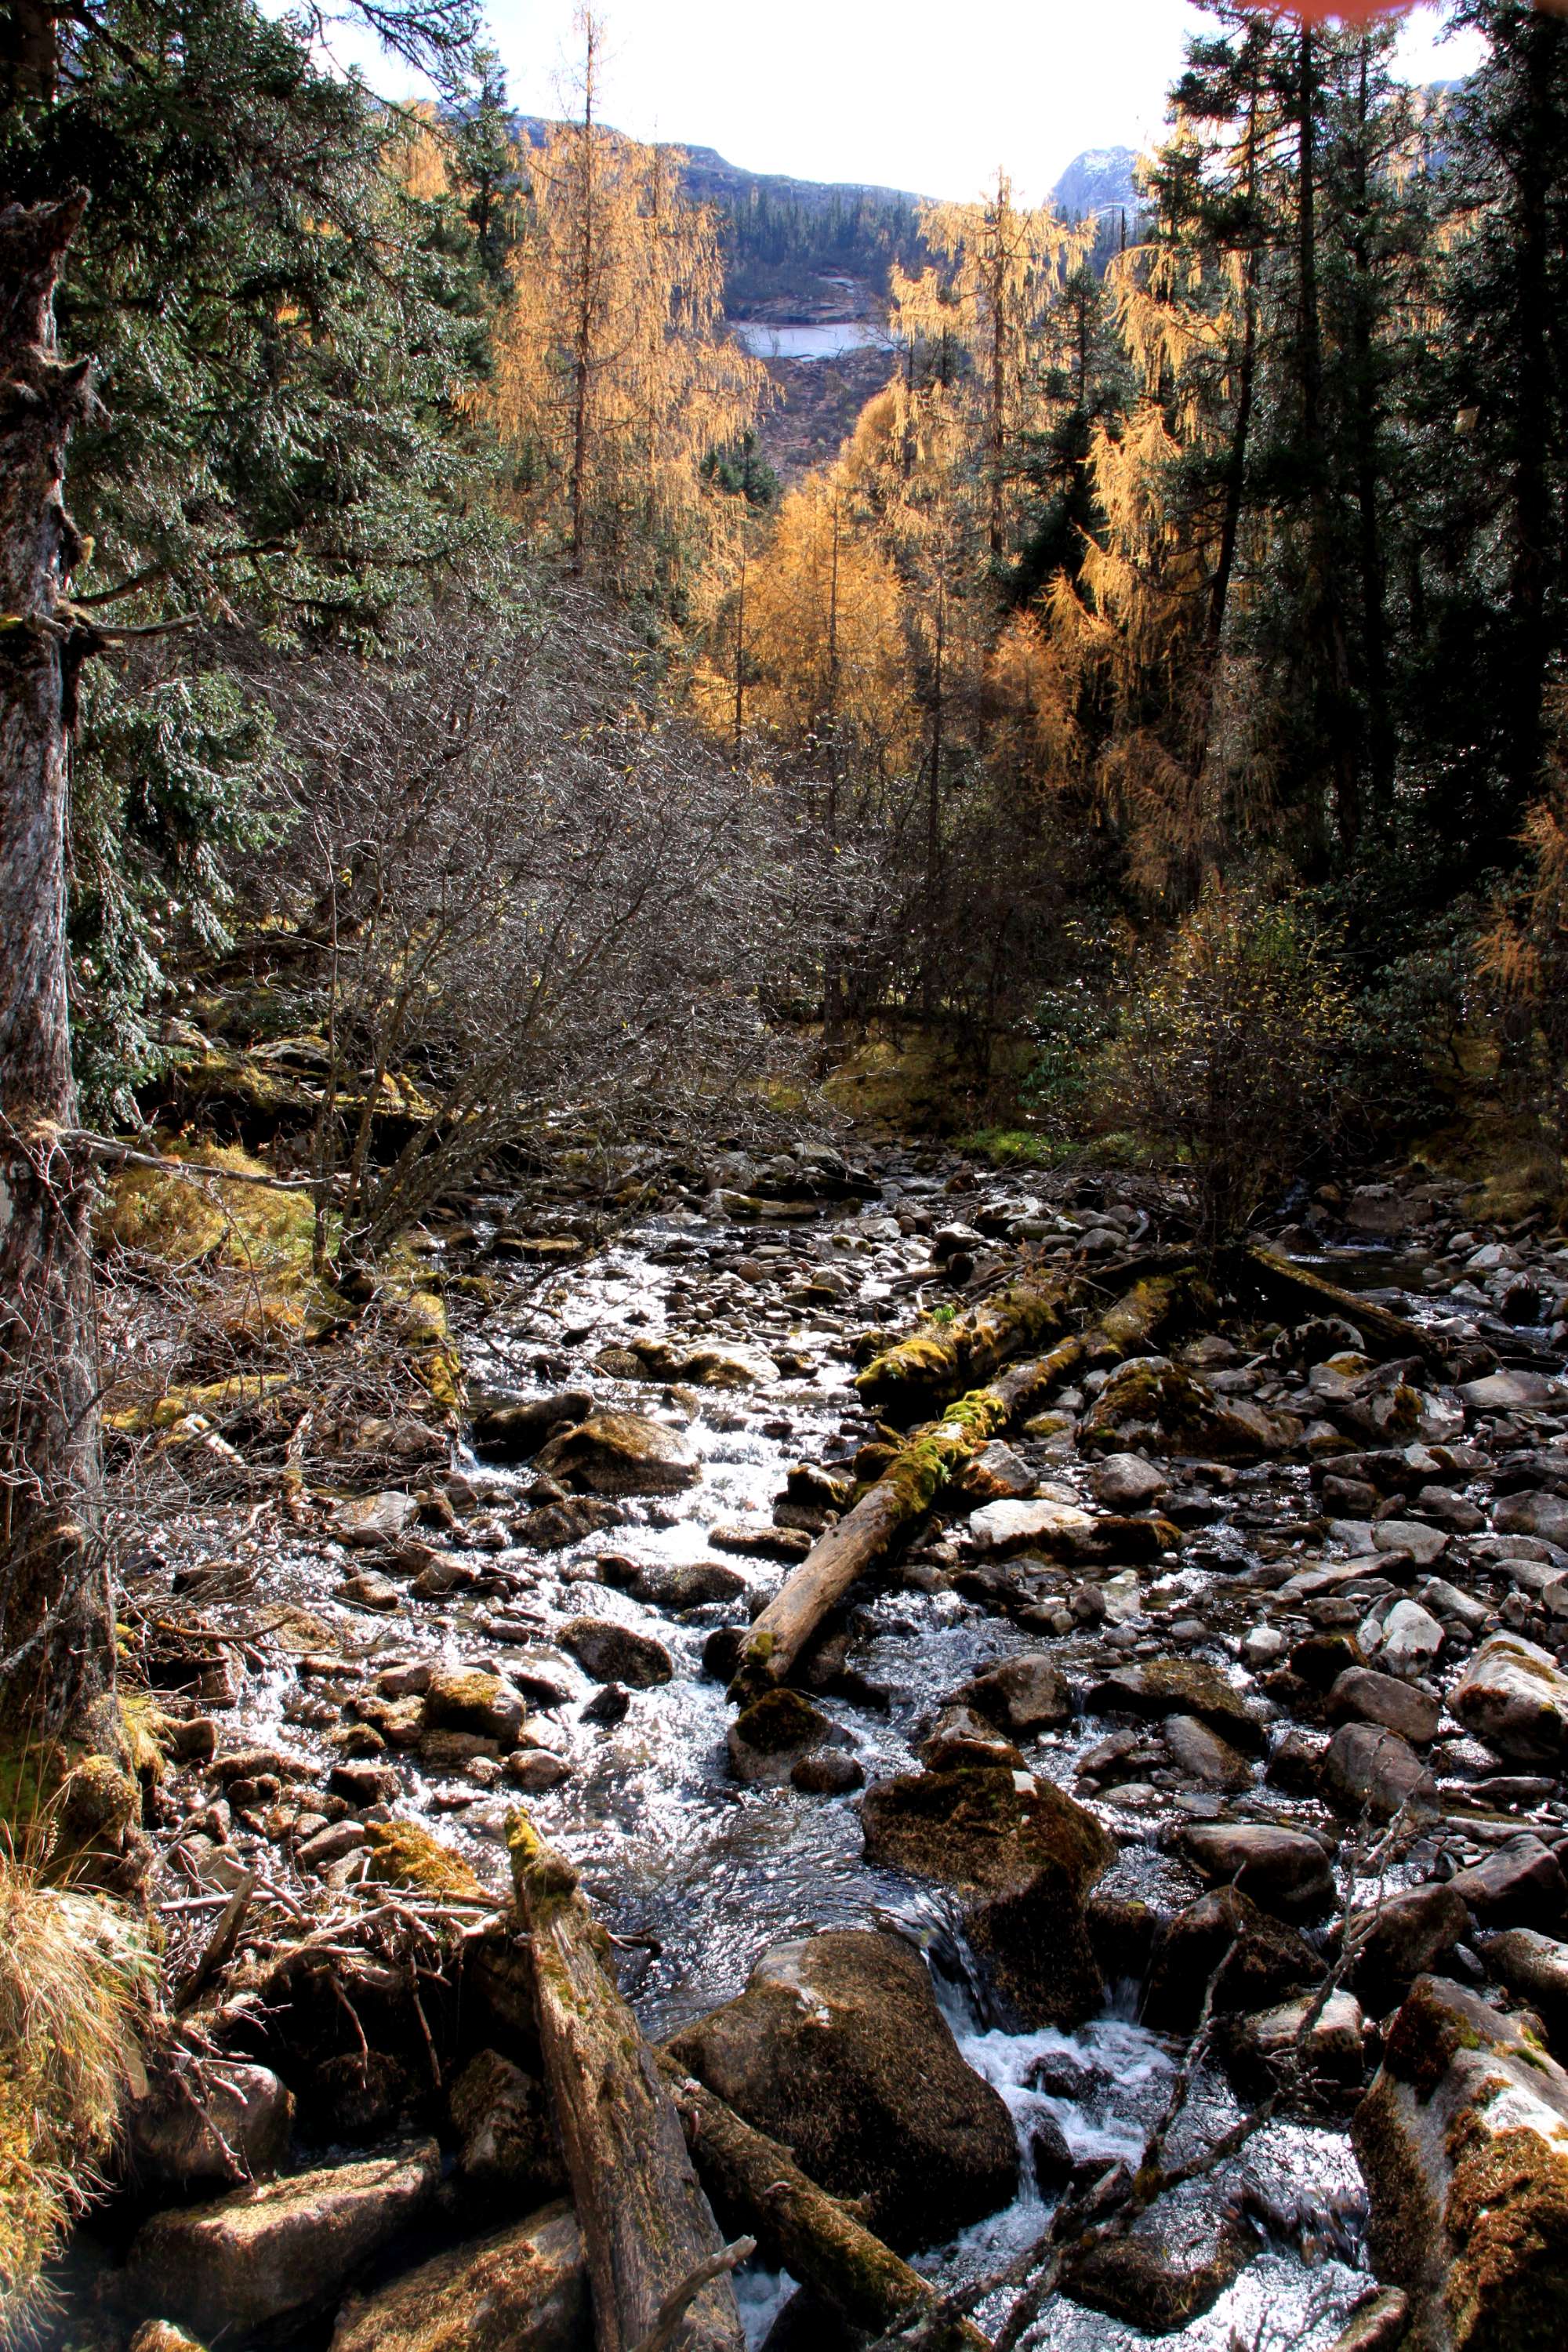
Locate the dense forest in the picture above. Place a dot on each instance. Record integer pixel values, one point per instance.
(505, 899)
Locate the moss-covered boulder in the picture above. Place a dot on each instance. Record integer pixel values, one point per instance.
(1156, 1687)
(837, 2048)
(402, 1854)
(523, 2290)
(769, 1737)
(464, 1699)
(622, 1454)
(1463, 2142)
(1150, 1404)
(1022, 1857)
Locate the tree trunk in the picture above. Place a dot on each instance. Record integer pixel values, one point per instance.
(1533, 518)
(646, 2225)
(57, 1651)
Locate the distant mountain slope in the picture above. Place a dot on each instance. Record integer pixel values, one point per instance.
(802, 251)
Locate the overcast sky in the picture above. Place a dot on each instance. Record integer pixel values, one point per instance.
(929, 95)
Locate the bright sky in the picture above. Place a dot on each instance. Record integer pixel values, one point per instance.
(919, 94)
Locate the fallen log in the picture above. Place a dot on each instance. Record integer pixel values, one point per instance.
(933, 1366)
(928, 1462)
(817, 2239)
(1295, 1287)
(647, 2226)
(905, 1492)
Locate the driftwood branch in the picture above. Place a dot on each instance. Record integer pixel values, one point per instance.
(677, 2304)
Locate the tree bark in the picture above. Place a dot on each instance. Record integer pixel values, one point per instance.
(918, 1374)
(1301, 1291)
(817, 2239)
(646, 2225)
(57, 1651)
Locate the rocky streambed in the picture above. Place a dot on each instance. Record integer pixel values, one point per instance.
(1189, 1780)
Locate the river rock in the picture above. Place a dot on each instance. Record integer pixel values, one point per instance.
(515, 1432)
(622, 1454)
(1414, 1537)
(1200, 1755)
(459, 1700)
(1161, 1686)
(1360, 1695)
(1154, 2284)
(283, 2246)
(1368, 1769)
(1061, 1529)
(1021, 1696)
(212, 2129)
(1542, 1516)
(707, 1366)
(1264, 2048)
(675, 1584)
(776, 1731)
(838, 2047)
(1125, 1482)
(1507, 1393)
(1520, 1885)
(617, 1654)
(523, 2290)
(1405, 1935)
(1406, 1641)
(1022, 1856)
(373, 1522)
(1258, 1960)
(1284, 1870)
(1463, 2143)
(1535, 1967)
(1514, 1695)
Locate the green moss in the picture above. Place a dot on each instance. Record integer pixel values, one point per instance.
(1506, 2215)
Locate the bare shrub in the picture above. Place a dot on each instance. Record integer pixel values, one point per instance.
(532, 901)
(1225, 1056)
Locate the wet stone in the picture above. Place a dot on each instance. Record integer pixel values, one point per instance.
(611, 1652)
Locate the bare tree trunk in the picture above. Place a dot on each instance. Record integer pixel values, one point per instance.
(57, 1651)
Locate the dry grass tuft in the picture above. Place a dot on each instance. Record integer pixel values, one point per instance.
(74, 1981)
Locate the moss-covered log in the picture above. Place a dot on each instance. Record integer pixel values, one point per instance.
(756, 2183)
(646, 2225)
(1293, 1289)
(926, 1463)
(939, 1362)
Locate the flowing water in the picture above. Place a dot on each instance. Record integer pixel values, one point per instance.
(699, 1874)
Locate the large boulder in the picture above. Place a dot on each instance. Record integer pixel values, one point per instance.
(524, 2290)
(1514, 1695)
(622, 1454)
(285, 2246)
(1463, 2143)
(1368, 1769)
(514, 1431)
(839, 2049)
(1360, 1695)
(1022, 1856)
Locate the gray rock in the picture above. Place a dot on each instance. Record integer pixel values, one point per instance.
(774, 1734)
(1061, 1529)
(1407, 1640)
(513, 1433)
(375, 1521)
(617, 1654)
(285, 2246)
(1203, 1757)
(1284, 1870)
(1125, 1482)
(838, 2047)
(1542, 1516)
(1514, 1695)
(1368, 1769)
(622, 1454)
(1422, 1543)
(466, 1699)
(1265, 2046)
(1506, 1392)
(1360, 1695)
(1224, 1939)
(1021, 1696)
(523, 2290)
(1404, 1935)
(1535, 1967)
(1520, 1885)
(1161, 1686)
